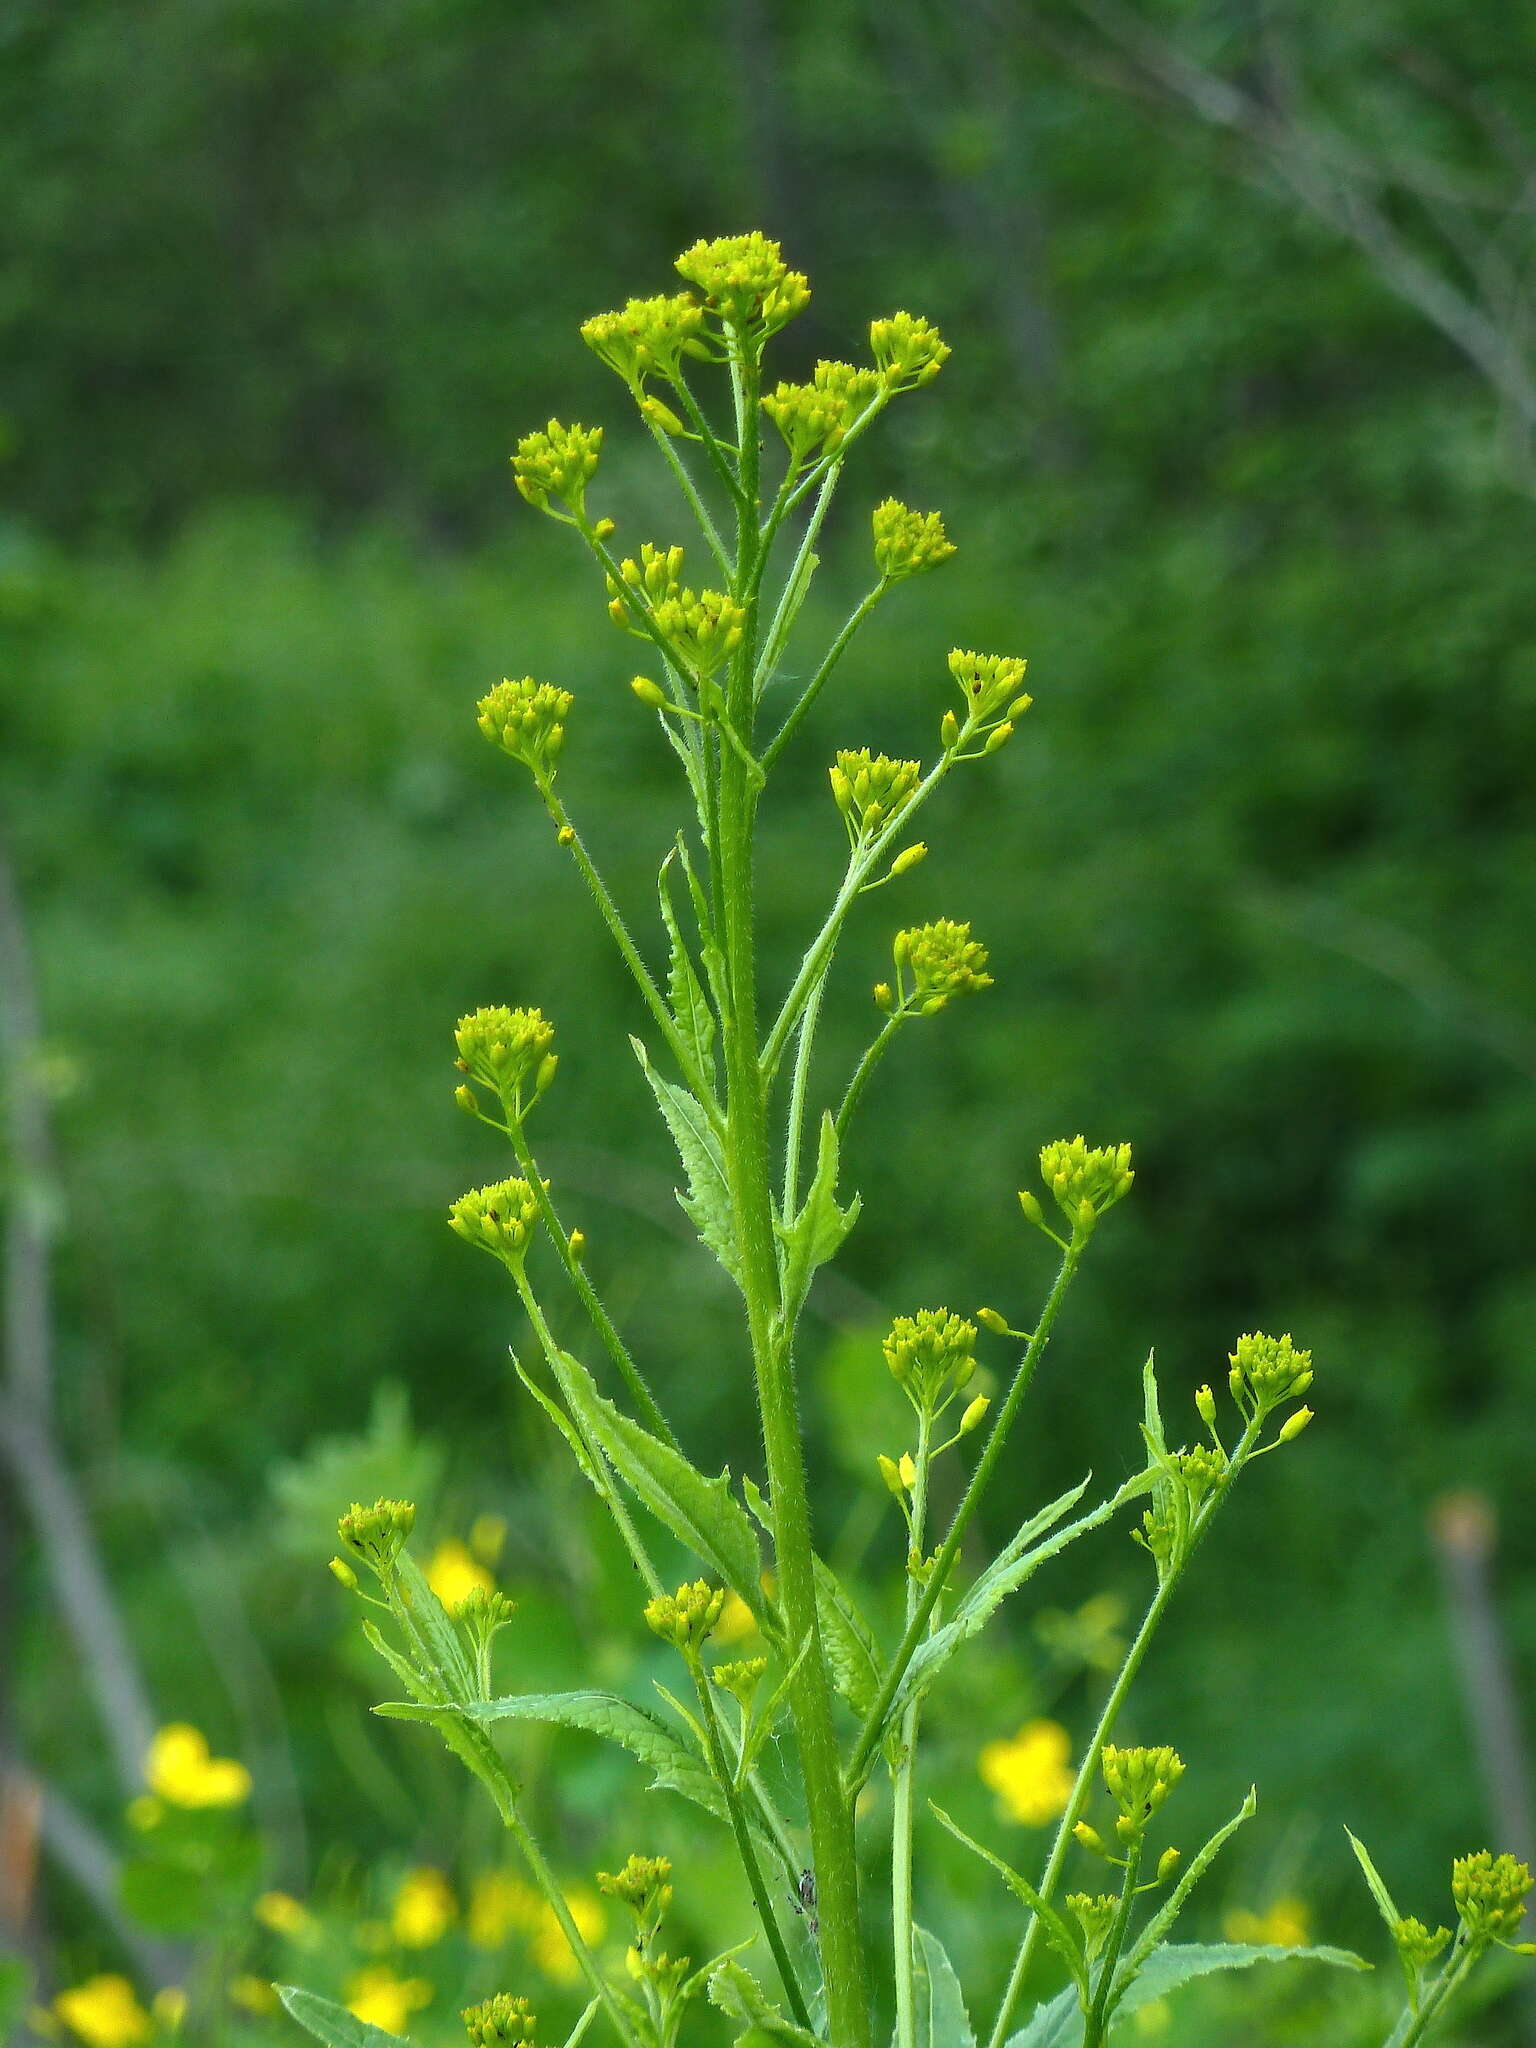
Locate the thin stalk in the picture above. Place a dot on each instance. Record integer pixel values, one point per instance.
(611, 1497)
(813, 688)
(609, 910)
(706, 433)
(544, 1878)
(587, 1294)
(944, 1564)
(696, 504)
(904, 1786)
(873, 1055)
(746, 1848)
(1413, 2026)
(784, 613)
(1101, 1734)
(1098, 2016)
(798, 1085)
(748, 1170)
(821, 948)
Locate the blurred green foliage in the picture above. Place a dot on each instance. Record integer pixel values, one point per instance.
(1258, 875)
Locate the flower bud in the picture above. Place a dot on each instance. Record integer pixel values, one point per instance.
(576, 1243)
(991, 1320)
(908, 1470)
(908, 351)
(376, 1535)
(655, 414)
(566, 836)
(1295, 1424)
(1205, 1406)
(467, 1100)
(499, 1219)
(343, 1573)
(949, 731)
(604, 530)
(908, 542)
(871, 789)
(557, 463)
(501, 2022)
(1085, 1180)
(526, 720)
(685, 1618)
(1090, 1838)
(649, 693)
(944, 960)
(884, 1000)
(890, 1472)
(929, 1354)
(1270, 1370)
(1167, 1864)
(1033, 1213)
(972, 1416)
(1490, 1893)
(909, 859)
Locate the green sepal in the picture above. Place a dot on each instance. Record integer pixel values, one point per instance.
(707, 1203)
(333, 2024)
(703, 1513)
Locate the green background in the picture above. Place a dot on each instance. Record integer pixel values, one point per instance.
(281, 285)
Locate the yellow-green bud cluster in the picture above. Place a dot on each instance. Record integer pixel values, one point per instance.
(930, 1355)
(1490, 1893)
(907, 350)
(814, 418)
(499, 1219)
(871, 789)
(558, 462)
(642, 1886)
(483, 1611)
(1416, 1945)
(376, 1535)
(686, 1617)
(744, 280)
(908, 542)
(1094, 1913)
(647, 337)
(656, 576)
(741, 1678)
(509, 1052)
(1139, 1781)
(1084, 1179)
(1181, 1487)
(989, 683)
(1267, 1370)
(943, 961)
(501, 2022)
(702, 628)
(526, 720)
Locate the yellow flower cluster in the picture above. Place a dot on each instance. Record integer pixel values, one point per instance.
(526, 720)
(743, 279)
(500, 1219)
(908, 542)
(558, 462)
(871, 789)
(686, 1617)
(647, 337)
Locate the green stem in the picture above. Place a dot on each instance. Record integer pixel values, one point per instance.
(904, 1787)
(873, 1055)
(1101, 1734)
(587, 1294)
(654, 1001)
(1098, 2016)
(793, 591)
(944, 1563)
(748, 1170)
(706, 433)
(544, 1878)
(696, 504)
(746, 1848)
(1414, 2026)
(812, 690)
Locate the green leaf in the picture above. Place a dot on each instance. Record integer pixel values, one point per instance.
(703, 1513)
(1057, 2025)
(940, 2014)
(1379, 1892)
(691, 1013)
(820, 1227)
(442, 1641)
(852, 1659)
(708, 1200)
(333, 2024)
(1179, 1964)
(1162, 1920)
(763, 1719)
(676, 1767)
(741, 1998)
(1004, 1576)
(1152, 1419)
(563, 1423)
(1061, 1934)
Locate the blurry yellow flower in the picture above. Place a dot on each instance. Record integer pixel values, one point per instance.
(1031, 1773)
(424, 1908)
(284, 1915)
(181, 1771)
(104, 2012)
(487, 1535)
(549, 1948)
(169, 2007)
(255, 1994)
(453, 1574)
(736, 1621)
(1285, 1924)
(498, 1903)
(381, 1999)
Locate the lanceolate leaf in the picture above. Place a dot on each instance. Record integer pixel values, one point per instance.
(1162, 1921)
(676, 1767)
(1379, 1892)
(708, 1200)
(703, 1513)
(942, 2020)
(690, 1008)
(820, 1227)
(333, 2024)
(1180, 1963)
(1057, 2025)
(845, 1636)
(444, 1644)
(741, 1998)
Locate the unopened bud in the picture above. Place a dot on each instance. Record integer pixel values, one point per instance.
(655, 414)
(1235, 1383)
(999, 736)
(884, 1000)
(1033, 1213)
(909, 859)
(1090, 1838)
(973, 1414)
(991, 1320)
(1205, 1406)
(1295, 1424)
(949, 729)
(618, 611)
(466, 1099)
(603, 530)
(649, 693)
(566, 836)
(891, 1474)
(1018, 707)
(343, 1573)
(908, 1470)
(577, 1243)
(1167, 1864)
(1087, 1215)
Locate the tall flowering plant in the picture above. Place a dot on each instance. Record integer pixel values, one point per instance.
(762, 1130)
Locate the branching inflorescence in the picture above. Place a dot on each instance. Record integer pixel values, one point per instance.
(761, 1131)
